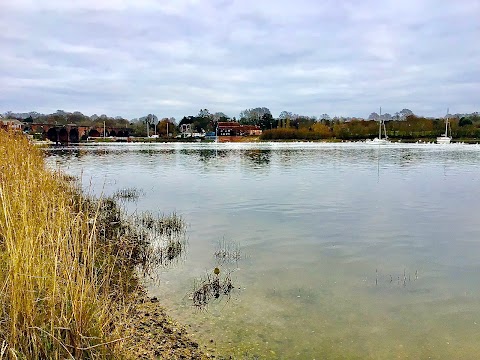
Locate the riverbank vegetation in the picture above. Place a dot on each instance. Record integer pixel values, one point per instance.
(413, 128)
(68, 266)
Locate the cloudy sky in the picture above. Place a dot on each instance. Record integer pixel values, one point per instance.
(173, 57)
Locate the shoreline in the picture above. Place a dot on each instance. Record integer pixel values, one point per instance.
(157, 335)
(70, 268)
(250, 140)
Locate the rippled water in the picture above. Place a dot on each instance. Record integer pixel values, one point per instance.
(348, 250)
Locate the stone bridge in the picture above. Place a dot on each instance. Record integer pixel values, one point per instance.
(72, 133)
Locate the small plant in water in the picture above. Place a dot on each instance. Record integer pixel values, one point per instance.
(227, 252)
(162, 225)
(403, 279)
(165, 235)
(210, 288)
(130, 194)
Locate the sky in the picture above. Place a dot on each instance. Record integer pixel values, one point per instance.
(174, 57)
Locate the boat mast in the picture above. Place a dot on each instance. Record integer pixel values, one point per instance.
(380, 124)
(446, 123)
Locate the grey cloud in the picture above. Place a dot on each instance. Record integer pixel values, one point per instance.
(174, 57)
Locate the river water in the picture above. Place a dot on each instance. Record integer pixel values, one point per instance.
(347, 250)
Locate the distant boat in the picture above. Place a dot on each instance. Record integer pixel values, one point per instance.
(380, 140)
(445, 139)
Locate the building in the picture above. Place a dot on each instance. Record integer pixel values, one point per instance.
(186, 128)
(230, 128)
(251, 130)
(233, 128)
(11, 124)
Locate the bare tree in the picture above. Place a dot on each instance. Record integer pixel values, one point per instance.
(405, 112)
(150, 119)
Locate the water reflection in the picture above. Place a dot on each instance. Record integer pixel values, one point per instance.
(354, 250)
(258, 158)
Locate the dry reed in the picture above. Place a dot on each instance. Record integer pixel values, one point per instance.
(59, 281)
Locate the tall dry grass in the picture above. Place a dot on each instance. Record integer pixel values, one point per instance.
(58, 281)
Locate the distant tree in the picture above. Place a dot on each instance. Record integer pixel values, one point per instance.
(285, 115)
(187, 120)
(267, 122)
(120, 122)
(464, 121)
(253, 116)
(386, 116)
(324, 117)
(204, 113)
(199, 123)
(150, 120)
(373, 116)
(204, 121)
(404, 113)
(165, 127)
(341, 131)
(303, 122)
(284, 119)
(78, 118)
(323, 130)
(220, 116)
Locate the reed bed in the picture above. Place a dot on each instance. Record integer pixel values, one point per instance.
(63, 287)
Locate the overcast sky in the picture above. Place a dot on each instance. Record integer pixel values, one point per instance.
(173, 57)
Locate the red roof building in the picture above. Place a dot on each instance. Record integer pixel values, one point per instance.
(232, 128)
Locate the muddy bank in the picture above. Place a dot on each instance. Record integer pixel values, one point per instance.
(157, 336)
(155, 241)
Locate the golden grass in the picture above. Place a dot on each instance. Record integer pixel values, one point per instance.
(58, 299)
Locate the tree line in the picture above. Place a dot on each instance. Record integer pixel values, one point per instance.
(412, 128)
(403, 124)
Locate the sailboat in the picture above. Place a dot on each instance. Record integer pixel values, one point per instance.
(445, 139)
(381, 124)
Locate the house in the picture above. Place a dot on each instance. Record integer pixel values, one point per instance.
(228, 128)
(186, 128)
(251, 130)
(11, 124)
(233, 128)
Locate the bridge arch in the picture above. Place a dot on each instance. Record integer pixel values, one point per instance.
(94, 133)
(52, 134)
(63, 135)
(74, 136)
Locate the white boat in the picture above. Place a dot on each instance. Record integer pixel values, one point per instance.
(380, 140)
(445, 139)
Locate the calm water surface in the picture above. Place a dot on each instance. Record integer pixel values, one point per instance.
(349, 250)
